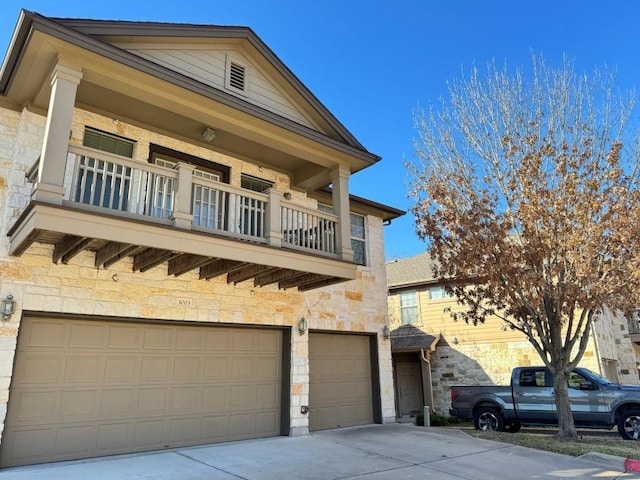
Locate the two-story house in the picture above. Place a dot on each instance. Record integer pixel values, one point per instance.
(181, 261)
(431, 352)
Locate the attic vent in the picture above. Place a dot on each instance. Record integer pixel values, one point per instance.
(236, 76)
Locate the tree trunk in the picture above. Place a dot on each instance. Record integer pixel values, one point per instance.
(566, 426)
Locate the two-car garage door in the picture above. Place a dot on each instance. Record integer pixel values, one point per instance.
(84, 388)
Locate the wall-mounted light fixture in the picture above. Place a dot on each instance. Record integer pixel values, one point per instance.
(209, 134)
(287, 195)
(454, 340)
(386, 334)
(302, 326)
(8, 307)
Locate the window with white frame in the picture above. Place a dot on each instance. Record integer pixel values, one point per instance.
(358, 239)
(437, 292)
(409, 307)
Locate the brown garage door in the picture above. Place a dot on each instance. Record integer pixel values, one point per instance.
(85, 388)
(339, 381)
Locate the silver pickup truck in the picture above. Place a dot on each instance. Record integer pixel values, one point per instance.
(529, 400)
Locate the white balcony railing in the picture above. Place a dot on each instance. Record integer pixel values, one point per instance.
(129, 188)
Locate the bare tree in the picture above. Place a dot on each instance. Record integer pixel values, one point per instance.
(526, 191)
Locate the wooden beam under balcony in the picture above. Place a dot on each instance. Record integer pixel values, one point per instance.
(299, 280)
(250, 271)
(187, 262)
(69, 247)
(113, 252)
(319, 284)
(268, 278)
(151, 257)
(219, 267)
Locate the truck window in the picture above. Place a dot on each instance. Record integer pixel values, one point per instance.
(579, 382)
(532, 378)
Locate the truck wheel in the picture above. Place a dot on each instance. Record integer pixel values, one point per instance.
(512, 427)
(629, 425)
(487, 418)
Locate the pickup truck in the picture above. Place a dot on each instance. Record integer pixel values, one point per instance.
(529, 400)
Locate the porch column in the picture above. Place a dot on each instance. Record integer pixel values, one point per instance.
(50, 185)
(340, 192)
(274, 232)
(182, 216)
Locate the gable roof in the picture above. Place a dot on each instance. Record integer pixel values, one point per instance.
(105, 38)
(410, 271)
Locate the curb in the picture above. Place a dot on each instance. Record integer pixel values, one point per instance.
(631, 465)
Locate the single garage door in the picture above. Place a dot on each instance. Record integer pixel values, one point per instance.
(84, 388)
(339, 381)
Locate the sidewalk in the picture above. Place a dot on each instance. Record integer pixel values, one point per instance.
(372, 452)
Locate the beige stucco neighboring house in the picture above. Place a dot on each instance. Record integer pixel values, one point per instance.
(431, 352)
(181, 261)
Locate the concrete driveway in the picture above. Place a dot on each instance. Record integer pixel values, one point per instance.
(372, 452)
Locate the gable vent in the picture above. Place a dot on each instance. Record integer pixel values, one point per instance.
(236, 76)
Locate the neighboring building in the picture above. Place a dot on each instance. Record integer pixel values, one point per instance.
(181, 272)
(431, 352)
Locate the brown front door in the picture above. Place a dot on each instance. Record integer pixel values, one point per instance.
(409, 388)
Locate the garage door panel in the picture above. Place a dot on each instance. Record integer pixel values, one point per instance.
(216, 367)
(38, 369)
(118, 403)
(44, 334)
(124, 338)
(77, 405)
(187, 340)
(150, 434)
(220, 340)
(121, 368)
(136, 387)
(158, 338)
(339, 381)
(186, 368)
(114, 438)
(184, 430)
(84, 369)
(74, 440)
(88, 336)
(32, 406)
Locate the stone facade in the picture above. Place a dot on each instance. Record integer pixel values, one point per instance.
(79, 288)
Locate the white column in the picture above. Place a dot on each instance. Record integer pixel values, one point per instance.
(182, 216)
(340, 192)
(50, 185)
(274, 212)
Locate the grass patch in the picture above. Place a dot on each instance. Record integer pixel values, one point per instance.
(549, 441)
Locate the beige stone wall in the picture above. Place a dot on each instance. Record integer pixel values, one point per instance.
(611, 332)
(79, 288)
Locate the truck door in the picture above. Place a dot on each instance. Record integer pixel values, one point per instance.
(532, 396)
(585, 397)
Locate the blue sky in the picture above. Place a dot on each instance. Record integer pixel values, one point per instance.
(372, 63)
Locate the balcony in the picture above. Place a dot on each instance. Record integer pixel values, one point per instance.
(123, 209)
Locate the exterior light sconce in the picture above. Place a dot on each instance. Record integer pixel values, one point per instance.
(209, 134)
(454, 340)
(386, 334)
(302, 326)
(287, 195)
(8, 307)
